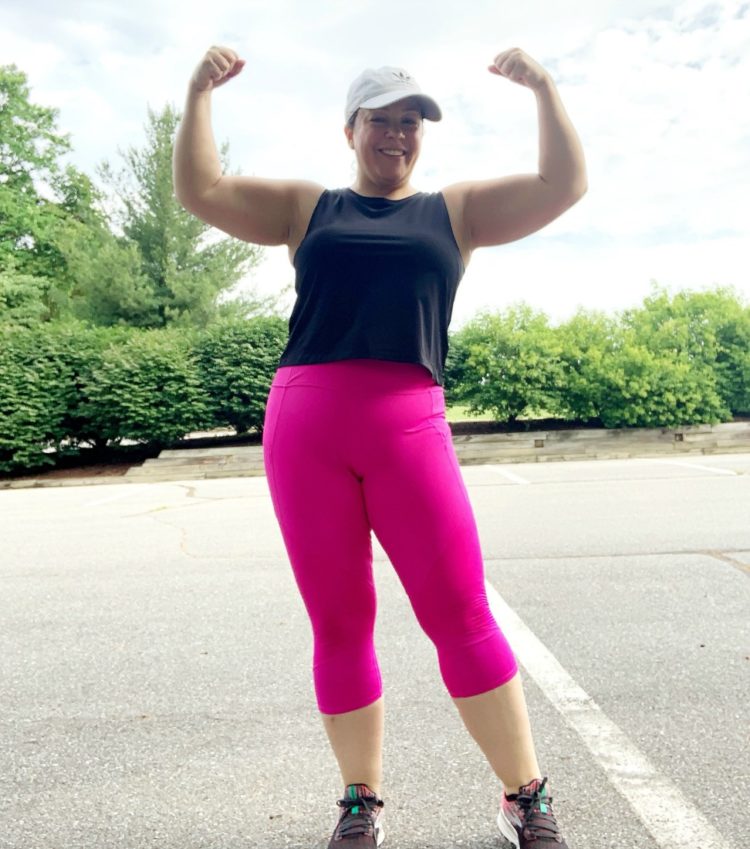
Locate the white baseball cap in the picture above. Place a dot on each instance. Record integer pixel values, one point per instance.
(376, 87)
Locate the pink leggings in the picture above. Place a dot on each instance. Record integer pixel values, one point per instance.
(360, 445)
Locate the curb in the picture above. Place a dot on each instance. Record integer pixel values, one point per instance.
(48, 483)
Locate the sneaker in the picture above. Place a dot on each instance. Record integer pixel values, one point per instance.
(526, 820)
(359, 826)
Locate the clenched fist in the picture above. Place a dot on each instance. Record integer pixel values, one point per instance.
(516, 65)
(217, 67)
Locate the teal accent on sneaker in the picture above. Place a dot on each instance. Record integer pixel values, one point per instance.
(527, 820)
(352, 791)
(360, 822)
(358, 791)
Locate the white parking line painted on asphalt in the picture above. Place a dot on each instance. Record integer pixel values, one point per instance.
(696, 466)
(672, 820)
(511, 476)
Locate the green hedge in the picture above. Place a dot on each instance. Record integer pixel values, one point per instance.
(236, 361)
(146, 389)
(67, 385)
(674, 361)
(33, 398)
(614, 374)
(709, 330)
(504, 363)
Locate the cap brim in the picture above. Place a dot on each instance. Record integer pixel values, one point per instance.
(430, 109)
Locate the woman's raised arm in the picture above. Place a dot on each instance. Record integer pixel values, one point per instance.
(495, 211)
(257, 210)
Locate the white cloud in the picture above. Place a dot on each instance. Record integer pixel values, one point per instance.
(657, 91)
(558, 278)
(662, 127)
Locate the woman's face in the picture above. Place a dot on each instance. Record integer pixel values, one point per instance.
(387, 142)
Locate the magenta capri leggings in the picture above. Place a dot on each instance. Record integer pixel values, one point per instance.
(362, 445)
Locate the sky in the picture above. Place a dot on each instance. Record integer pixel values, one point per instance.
(659, 93)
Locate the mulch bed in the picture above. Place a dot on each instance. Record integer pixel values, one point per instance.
(522, 426)
(90, 463)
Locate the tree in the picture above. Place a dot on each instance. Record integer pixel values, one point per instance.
(588, 342)
(107, 283)
(29, 152)
(642, 386)
(50, 223)
(30, 148)
(709, 329)
(187, 269)
(64, 253)
(506, 363)
(22, 296)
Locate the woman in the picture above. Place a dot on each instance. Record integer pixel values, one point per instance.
(355, 437)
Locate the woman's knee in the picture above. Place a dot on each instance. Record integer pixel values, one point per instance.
(452, 620)
(348, 619)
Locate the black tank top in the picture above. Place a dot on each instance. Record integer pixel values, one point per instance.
(375, 278)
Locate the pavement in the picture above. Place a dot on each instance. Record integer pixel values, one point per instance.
(155, 665)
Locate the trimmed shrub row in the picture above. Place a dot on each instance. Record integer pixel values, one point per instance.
(66, 385)
(676, 361)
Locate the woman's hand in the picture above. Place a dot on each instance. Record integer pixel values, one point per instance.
(217, 67)
(518, 66)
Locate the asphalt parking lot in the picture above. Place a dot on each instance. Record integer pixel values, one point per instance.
(155, 665)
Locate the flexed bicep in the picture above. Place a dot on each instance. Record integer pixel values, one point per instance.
(261, 211)
(257, 210)
(504, 209)
(507, 208)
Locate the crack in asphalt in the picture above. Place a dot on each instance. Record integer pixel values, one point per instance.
(725, 558)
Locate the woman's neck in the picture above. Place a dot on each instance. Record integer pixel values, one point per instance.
(368, 189)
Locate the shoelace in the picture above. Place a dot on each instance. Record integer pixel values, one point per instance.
(534, 819)
(361, 823)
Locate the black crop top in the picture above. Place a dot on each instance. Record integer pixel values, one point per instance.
(375, 278)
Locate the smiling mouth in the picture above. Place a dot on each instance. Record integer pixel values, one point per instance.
(392, 151)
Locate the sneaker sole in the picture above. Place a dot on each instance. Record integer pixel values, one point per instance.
(507, 832)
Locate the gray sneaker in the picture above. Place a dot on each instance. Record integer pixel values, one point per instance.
(526, 820)
(360, 823)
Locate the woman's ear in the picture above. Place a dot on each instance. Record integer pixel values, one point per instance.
(349, 133)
